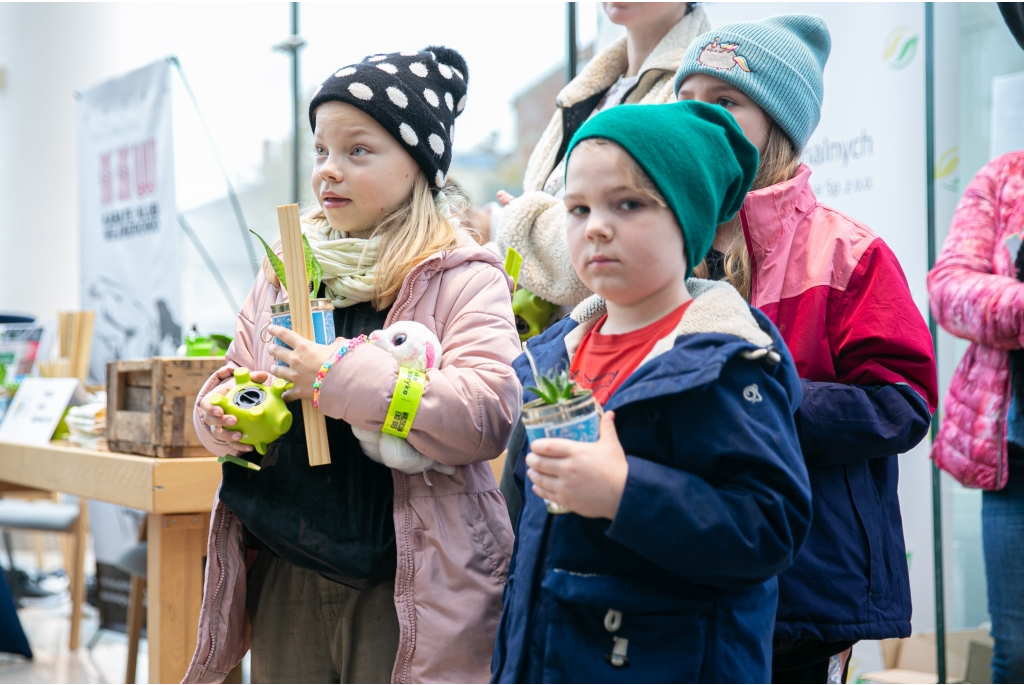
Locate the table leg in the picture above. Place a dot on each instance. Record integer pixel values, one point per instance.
(175, 564)
(81, 532)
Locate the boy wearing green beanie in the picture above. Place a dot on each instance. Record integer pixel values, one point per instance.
(863, 351)
(695, 496)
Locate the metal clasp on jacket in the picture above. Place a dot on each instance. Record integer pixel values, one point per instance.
(612, 622)
(771, 356)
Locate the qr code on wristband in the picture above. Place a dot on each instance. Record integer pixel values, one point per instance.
(399, 420)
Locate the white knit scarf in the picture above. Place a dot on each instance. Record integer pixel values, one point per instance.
(348, 264)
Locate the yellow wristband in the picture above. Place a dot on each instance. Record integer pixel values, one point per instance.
(404, 403)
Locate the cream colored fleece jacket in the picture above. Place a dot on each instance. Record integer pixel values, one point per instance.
(534, 223)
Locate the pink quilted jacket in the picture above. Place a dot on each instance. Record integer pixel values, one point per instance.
(975, 295)
(454, 538)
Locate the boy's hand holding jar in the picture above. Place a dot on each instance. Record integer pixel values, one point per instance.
(586, 477)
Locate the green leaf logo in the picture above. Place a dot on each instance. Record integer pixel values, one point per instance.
(947, 168)
(900, 48)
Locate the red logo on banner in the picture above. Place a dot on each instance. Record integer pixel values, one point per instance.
(106, 181)
(136, 168)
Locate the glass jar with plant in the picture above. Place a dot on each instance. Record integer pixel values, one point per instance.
(561, 410)
(321, 309)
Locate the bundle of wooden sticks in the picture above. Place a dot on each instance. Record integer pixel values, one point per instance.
(302, 323)
(74, 332)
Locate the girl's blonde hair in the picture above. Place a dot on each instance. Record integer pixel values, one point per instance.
(778, 163)
(409, 233)
(636, 178)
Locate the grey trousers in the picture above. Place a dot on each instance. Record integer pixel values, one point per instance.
(307, 629)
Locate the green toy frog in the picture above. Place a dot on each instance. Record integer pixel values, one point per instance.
(532, 313)
(262, 415)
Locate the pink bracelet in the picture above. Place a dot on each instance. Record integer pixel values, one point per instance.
(345, 348)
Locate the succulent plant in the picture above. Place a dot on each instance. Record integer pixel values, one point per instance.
(554, 387)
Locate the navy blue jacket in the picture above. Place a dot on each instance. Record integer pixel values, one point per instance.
(850, 581)
(716, 504)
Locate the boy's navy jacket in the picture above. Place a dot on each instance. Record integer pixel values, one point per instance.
(716, 504)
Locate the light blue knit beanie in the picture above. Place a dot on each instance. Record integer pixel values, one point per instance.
(777, 62)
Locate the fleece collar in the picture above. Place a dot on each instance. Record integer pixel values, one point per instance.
(611, 63)
(717, 326)
(717, 308)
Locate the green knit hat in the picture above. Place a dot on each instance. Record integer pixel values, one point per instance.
(696, 155)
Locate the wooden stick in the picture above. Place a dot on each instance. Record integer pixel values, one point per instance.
(85, 344)
(64, 334)
(302, 323)
(76, 337)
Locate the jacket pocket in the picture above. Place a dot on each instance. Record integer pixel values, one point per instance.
(606, 629)
(870, 512)
(491, 532)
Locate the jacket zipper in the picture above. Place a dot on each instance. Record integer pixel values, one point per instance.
(406, 658)
(1007, 396)
(214, 620)
(750, 254)
(407, 285)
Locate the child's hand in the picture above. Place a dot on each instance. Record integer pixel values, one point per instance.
(504, 197)
(220, 423)
(586, 477)
(303, 360)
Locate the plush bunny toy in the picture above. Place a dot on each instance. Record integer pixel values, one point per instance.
(415, 347)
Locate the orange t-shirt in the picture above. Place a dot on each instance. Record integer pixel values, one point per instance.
(603, 362)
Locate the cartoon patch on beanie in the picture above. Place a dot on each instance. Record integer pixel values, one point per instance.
(722, 56)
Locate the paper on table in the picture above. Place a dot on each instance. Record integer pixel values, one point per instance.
(37, 408)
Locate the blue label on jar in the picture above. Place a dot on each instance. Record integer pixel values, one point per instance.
(583, 429)
(323, 327)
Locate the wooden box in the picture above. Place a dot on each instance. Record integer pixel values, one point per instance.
(150, 401)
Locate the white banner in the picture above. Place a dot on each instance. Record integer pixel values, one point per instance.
(131, 246)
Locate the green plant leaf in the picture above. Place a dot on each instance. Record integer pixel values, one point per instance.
(314, 271)
(541, 394)
(275, 261)
(554, 387)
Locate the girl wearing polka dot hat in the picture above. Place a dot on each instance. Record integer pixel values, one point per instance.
(839, 297)
(354, 571)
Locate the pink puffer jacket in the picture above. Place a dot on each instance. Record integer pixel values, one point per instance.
(454, 538)
(975, 295)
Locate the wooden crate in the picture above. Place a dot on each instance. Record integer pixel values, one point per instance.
(150, 401)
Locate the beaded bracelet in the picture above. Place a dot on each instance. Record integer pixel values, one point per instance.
(345, 348)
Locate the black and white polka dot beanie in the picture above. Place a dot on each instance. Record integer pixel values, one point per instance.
(414, 95)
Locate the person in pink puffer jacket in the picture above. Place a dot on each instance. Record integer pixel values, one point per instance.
(976, 295)
(353, 571)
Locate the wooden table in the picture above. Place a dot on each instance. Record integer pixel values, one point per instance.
(176, 493)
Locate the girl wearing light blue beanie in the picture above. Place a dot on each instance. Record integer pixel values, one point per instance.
(864, 354)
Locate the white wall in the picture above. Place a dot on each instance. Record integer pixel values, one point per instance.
(38, 151)
(48, 51)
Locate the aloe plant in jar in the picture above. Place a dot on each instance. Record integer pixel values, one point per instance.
(561, 410)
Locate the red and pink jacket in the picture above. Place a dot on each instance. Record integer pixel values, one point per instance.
(835, 290)
(975, 295)
(862, 349)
